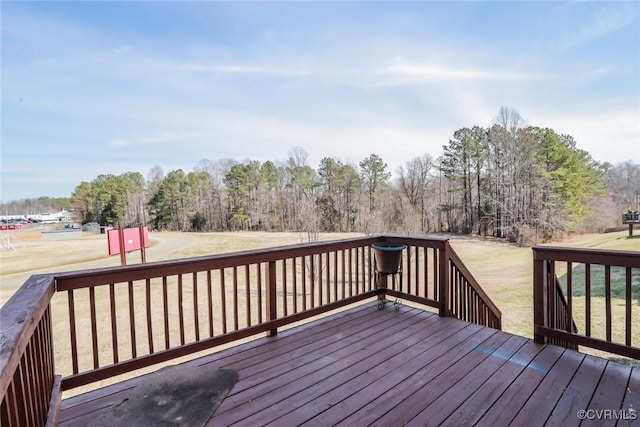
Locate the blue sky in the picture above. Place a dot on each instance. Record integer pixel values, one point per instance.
(108, 87)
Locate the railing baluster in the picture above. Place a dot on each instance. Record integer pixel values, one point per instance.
(358, 280)
(149, 319)
(587, 287)
(335, 275)
(223, 301)
(437, 280)
(284, 287)
(344, 273)
(48, 343)
(38, 377)
(364, 272)
(12, 405)
(21, 390)
(114, 325)
(350, 272)
(46, 382)
(210, 302)
(425, 273)
(551, 293)
(94, 328)
(272, 307)
(569, 313)
(132, 321)
(294, 277)
(408, 264)
(247, 293)
(259, 269)
(165, 307)
(27, 392)
(72, 330)
(313, 280)
(181, 310)
(328, 276)
(320, 292)
(303, 267)
(417, 269)
(196, 322)
(235, 299)
(607, 299)
(628, 302)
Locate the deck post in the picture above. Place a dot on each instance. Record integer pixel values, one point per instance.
(272, 310)
(538, 296)
(444, 280)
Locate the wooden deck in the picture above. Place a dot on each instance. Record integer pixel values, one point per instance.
(386, 368)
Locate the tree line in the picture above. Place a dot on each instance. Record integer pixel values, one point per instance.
(508, 180)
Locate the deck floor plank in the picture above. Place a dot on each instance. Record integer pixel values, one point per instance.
(442, 408)
(544, 399)
(362, 366)
(264, 391)
(396, 388)
(260, 369)
(514, 397)
(574, 397)
(631, 404)
(330, 376)
(416, 401)
(289, 342)
(316, 401)
(612, 388)
(478, 403)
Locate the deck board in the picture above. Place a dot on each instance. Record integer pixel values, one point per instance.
(368, 367)
(612, 386)
(447, 402)
(632, 400)
(479, 402)
(544, 399)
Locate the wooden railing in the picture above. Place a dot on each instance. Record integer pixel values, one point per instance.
(445, 282)
(115, 320)
(28, 384)
(467, 300)
(594, 279)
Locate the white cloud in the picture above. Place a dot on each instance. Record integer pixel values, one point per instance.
(417, 73)
(610, 17)
(241, 69)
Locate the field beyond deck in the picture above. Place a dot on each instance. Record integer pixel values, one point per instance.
(363, 366)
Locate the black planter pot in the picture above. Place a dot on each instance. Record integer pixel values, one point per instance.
(388, 257)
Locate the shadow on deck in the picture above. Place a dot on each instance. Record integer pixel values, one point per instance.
(363, 366)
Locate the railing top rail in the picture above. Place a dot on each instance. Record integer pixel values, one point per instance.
(101, 276)
(19, 318)
(588, 256)
(437, 242)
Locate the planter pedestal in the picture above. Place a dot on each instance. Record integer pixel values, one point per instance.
(388, 262)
